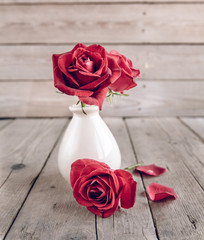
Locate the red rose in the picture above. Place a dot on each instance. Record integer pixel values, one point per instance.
(85, 72)
(100, 188)
(128, 73)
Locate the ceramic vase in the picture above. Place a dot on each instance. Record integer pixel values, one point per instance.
(87, 136)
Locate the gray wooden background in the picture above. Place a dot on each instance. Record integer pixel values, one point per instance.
(165, 39)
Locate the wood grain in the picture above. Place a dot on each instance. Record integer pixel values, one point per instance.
(52, 197)
(24, 147)
(4, 123)
(51, 211)
(95, 1)
(196, 124)
(155, 62)
(134, 223)
(168, 143)
(135, 23)
(149, 98)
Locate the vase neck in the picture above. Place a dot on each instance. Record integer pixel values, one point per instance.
(90, 110)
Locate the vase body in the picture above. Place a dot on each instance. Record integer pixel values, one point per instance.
(87, 136)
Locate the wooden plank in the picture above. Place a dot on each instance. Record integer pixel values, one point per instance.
(196, 124)
(24, 147)
(51, 211)
(107, 23)
(168, 143)
(134, 223)
(4, 123)
(155, 62)
(95, 1)
(65, 215)
(149, 98)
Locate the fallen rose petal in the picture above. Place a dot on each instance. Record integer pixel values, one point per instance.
(152, 170)
(158, 192)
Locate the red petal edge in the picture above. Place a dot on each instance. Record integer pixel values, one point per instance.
(158, 192)
(128, 195)
(152, 170)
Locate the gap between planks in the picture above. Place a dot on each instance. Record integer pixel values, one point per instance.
(34, 180)
(141, 176)
(191, 129)
(169, 148)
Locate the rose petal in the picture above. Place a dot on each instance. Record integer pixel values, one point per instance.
(152, 170)
(158, 192)
(107, 213)
(114, 69)
(77, 53)
(79, 45)
(64, 61)
(96, 99)
(124, 82)
(80, 164)
(123, 62)
(135, 72)
(81, 198)
(128, 195)
(59, 81)
(96, 83)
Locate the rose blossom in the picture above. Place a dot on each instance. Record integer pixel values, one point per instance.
(128, 73)
(100, 188)
(85, 72)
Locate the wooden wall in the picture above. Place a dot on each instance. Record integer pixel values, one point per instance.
(165, 39)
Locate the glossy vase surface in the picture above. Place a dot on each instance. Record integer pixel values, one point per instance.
(87, 136)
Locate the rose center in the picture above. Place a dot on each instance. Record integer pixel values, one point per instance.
(87, 63)
(94, 193)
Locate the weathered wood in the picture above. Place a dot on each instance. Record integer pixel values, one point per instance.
(116, 23)
(149, 98)
(51, 211)
(52, 197)
(196, 124)
(134, 223)
(95, 1)
(4, 123)
(168, 143)
(24, 147)
(155, 62)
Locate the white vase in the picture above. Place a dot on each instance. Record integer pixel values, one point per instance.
(87, 136)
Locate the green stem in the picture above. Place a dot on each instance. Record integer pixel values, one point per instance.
(82, 107)
(134, 166)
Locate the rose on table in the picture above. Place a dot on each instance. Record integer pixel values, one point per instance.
(100, 189)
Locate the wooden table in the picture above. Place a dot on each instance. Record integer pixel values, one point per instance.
(36, 202)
